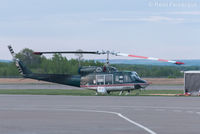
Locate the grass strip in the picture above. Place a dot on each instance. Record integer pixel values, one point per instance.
(85, 92)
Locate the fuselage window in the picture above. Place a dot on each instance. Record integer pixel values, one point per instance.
(135, 76)
(121, 79)
(100, 79)
(127, 78)
(117, 78)
(109, 79)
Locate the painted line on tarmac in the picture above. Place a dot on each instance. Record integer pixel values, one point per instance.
(157, 108)
(198, 113)
(118, 106)
(177, 111)
(189, 112)
(94, 111)
(160, 110)
(118, 114)
(137, 124)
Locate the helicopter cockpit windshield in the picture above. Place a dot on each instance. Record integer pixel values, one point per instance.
(135, 76)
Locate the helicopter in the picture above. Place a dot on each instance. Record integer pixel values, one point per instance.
(104, 79)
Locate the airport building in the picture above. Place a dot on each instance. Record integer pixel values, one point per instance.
(192, 82)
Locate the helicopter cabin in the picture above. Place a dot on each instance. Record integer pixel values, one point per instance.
(109, 80)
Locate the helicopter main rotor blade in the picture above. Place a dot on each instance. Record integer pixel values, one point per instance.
(67, 52)
(108, 52)
(149, 58)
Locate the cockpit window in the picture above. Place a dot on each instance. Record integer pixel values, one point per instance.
(135, 76)
(127, 78)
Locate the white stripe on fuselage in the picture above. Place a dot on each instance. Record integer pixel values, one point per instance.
(116, 87)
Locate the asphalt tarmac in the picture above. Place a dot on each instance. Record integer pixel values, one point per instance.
(43, 114)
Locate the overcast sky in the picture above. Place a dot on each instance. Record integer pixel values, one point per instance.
(158, 28)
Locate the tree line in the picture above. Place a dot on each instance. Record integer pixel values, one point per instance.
(59, 64)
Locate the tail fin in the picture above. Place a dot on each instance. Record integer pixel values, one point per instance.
(20, 66)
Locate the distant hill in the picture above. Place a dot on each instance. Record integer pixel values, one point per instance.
(141, 62)
(5, 61)
(150, 62)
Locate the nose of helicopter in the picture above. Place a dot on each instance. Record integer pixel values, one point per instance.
(144, 83)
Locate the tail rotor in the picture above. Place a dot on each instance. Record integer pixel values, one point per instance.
(21, 68)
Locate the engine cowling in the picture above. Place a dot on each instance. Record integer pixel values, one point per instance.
(89, 69)
(94, 69)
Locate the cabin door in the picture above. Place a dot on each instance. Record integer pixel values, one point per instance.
(100, 79)
(106, 79)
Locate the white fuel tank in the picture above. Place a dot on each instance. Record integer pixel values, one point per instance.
(101, 90)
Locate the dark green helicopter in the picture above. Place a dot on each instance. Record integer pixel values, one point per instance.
(103, 79)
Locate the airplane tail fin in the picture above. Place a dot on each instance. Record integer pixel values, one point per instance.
(20, 66)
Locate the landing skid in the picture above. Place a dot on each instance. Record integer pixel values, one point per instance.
(128, 92)
(121, 92)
